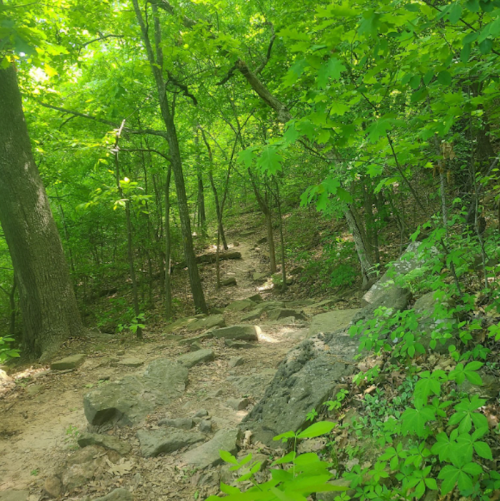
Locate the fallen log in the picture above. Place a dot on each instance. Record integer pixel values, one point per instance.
(211, 258)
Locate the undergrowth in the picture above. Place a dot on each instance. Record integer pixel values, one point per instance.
(418, 418)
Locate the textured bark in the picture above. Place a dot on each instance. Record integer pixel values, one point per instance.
(48, 305)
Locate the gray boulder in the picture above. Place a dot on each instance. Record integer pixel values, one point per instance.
(208, 454)
(154, 442)
(260, 277)
(238, 332)
(117, 495)
(196, 357)
(128, 401)
(253, 385)
(68, 363)
(304, 380)
(106, 441)
(131, 362)
(206, 323)
(331, 321)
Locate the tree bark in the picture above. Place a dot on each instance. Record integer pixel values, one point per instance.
(49, 310)
(156, 64)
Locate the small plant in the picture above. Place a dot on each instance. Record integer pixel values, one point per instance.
(136, 324)
(312, 415)
(6, 352)
(72, 433)
(336, 404)
(34, 473)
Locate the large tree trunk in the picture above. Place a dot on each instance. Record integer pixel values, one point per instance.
(49, 311)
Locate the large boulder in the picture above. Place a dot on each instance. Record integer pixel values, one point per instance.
(129, 400)
(239, 332)
(240, 305)
(154, 442)
(306, 378)
(331, 321)
(208, 454)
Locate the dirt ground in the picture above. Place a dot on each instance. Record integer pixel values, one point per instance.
(42, 413)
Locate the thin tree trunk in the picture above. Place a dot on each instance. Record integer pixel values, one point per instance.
(282, 238)
(168, 285)
(156, 64)
(130, 248)
(48, 305)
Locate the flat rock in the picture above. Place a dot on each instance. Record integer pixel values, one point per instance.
(206, 323)
(237, 404)
(208, 454)
(260, 277)
(71, 362)
(129, 400)
(252, 315)
(240, 305)
(106, 441)
(201, 413)
(331, 321)
(238, 332)
(131, 362)
(179, 324)
(237, 345)
(309, 374)
(205, 426)
(183, 423)
(253, 385)
(196, 357)
(154, 442)
(236, 361)
(14, 495)
(256, 298)
(53, 486)
(117, 495)
(281, 313)
(228, 282)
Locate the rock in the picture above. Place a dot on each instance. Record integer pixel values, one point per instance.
(282, 313)
(34, 389)
(240, 305)
(154, 442)
(131, 362)
(238, 404)
(432, 323)
(237, 345)
(205, 426)
(201, 413)
(256, 298)
(52, 486)
(260, 277)
(393, 297)
(117, 495)
(195, 346)
(195, 339)
(183, 423)
(331, 321)
(128, 401)
(106, 441)
(14, 495)
(72, 362)
(236, 361)
(179, 324)
(82, 466)
(307, 376)
(207, 323)
(489, 390)
(261, 241)
(238, 332)
(215, 393)
(208, 454)
(253, 315)
(253, 385)
(196, 357)
(228, 282)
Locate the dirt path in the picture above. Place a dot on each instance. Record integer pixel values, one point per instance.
(42, 413)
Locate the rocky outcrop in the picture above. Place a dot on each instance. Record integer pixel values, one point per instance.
(154, 442)
(332, 320)
(129, 400)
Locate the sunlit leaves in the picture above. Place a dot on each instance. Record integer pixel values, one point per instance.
(331, 69)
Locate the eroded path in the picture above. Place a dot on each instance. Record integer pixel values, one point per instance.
(42, 415)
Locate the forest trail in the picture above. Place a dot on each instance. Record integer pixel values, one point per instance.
(38, 434)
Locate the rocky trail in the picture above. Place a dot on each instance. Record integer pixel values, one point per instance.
(115, 419)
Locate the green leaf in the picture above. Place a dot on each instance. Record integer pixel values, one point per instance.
(228, 489)
(414, 420)
(284, 436)
(228, 457)
(287, 458)
(485, 46)
(270, 161)
(444, 77)
(465, 53)
(331, 69)
(317, 429)
(247, 156)
(455, 13)
(472, 5)
(483, 450)
(379, 129)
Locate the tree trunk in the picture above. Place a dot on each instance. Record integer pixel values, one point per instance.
(175, 156)
(48, 305)
(168, 286)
